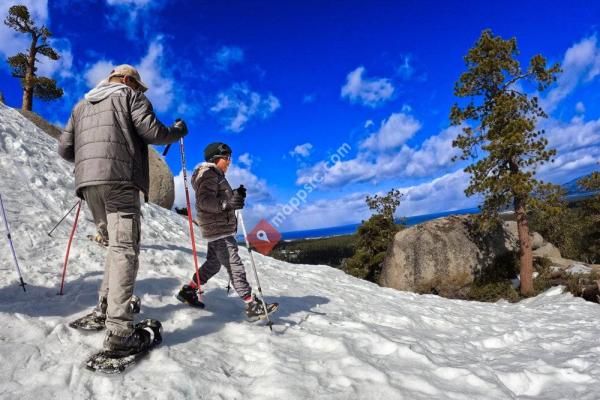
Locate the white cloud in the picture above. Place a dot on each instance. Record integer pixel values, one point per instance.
(394, 131)
(578, 149)
(580, 107)
(309, 98)
(98, 72)
(341, 211)
(258, 190)
(571, 136)
(152, 70)
(370, 92)
(246, 160)
(302, 150)
(406, 70)
(581, 63)
(161, 87)
(238, 105)
(445, 193)
(384, 155)
(134, 15)
(227, 56)
(436, 152)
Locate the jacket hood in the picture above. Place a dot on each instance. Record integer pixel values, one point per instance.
(203, 167)
(103, 90)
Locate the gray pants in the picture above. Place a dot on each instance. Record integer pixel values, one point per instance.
(120, 207)
(225, 252)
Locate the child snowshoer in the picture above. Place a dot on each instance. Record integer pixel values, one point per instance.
(216, 203)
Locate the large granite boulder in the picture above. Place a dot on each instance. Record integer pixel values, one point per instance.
(444, 255)
(441, 256)
(162, 185)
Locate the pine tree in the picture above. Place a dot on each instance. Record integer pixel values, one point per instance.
(374, 237)
(505, 132)
(23, 65)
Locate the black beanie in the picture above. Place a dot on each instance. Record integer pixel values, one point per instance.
(215, 150)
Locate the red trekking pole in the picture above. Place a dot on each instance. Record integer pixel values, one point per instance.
(189, 214)
(62, 282)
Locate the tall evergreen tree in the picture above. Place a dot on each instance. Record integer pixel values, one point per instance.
(24, 65)
(500, 121)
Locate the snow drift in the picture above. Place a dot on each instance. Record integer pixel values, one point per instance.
(336, 337)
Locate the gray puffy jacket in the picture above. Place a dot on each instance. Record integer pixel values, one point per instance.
(108, 139)
(213, 193)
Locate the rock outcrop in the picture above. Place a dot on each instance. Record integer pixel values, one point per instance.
(443, 255)
(162, 185)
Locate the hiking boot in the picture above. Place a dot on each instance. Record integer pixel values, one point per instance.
(189, 295)
(136, 342)
(255, 309)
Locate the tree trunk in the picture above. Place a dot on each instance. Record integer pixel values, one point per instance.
(30, 76)
(525, 252)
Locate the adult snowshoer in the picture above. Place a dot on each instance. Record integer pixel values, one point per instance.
(216, 203)
(107, 137)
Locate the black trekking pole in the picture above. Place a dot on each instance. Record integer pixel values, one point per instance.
(63, 218)
(262, 298)
(12, 248)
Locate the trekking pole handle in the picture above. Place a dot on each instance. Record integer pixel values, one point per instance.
(166, 150)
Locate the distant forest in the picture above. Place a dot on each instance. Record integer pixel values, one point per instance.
(327, 251)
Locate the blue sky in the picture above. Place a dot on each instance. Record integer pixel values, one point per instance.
(287, 84)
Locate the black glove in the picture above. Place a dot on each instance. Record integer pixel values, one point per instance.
(180, 126)
(241, 191)
(237, 201)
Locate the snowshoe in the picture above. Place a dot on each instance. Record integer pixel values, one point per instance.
(255, 310)
(189, 296)
(123, 352)
(95, 321)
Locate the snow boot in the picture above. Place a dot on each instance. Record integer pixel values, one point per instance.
(136, 342)
(256, 311)
(189, 295)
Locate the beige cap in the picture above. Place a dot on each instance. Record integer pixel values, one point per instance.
(128, 70)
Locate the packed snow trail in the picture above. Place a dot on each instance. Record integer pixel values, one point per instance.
(336, 337)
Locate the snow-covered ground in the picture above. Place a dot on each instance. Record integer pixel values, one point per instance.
(336, 337)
